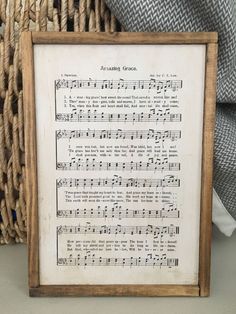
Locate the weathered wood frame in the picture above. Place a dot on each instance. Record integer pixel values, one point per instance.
(28, 40)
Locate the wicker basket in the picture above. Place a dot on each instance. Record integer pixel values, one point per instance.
(17, 16)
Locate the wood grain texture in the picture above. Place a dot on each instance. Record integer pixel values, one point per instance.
(207, 170)
(30, 158)
(123, 38)
(115, 290)
(210, 39)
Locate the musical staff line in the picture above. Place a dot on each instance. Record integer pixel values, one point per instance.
(151, 84)
(94, 116)
(150, 134)
(93, 165)
(168, 211)
(118, 261)
(156, 231)
(117, 181)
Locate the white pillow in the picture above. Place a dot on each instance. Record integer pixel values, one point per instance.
(221, 217)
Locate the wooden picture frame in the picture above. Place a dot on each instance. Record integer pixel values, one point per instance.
(28, 41)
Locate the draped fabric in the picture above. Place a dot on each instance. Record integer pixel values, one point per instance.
(199, 15)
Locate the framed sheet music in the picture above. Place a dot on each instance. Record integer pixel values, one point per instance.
(118, 143)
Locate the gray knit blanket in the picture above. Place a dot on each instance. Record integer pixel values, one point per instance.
(199, 15)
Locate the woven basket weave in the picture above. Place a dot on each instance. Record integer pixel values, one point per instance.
(34, 15)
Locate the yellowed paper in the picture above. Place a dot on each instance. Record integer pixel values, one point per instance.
(119, 135)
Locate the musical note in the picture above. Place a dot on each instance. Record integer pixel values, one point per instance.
(94, 116)
(151, 165)
(152, 84)
(150, 134)
(118, 212)
(118, 181)
(150, 260)
(155, 231)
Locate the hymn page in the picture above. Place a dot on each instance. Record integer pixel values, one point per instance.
(119, 137)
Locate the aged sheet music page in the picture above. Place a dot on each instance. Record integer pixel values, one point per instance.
(119, 137)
